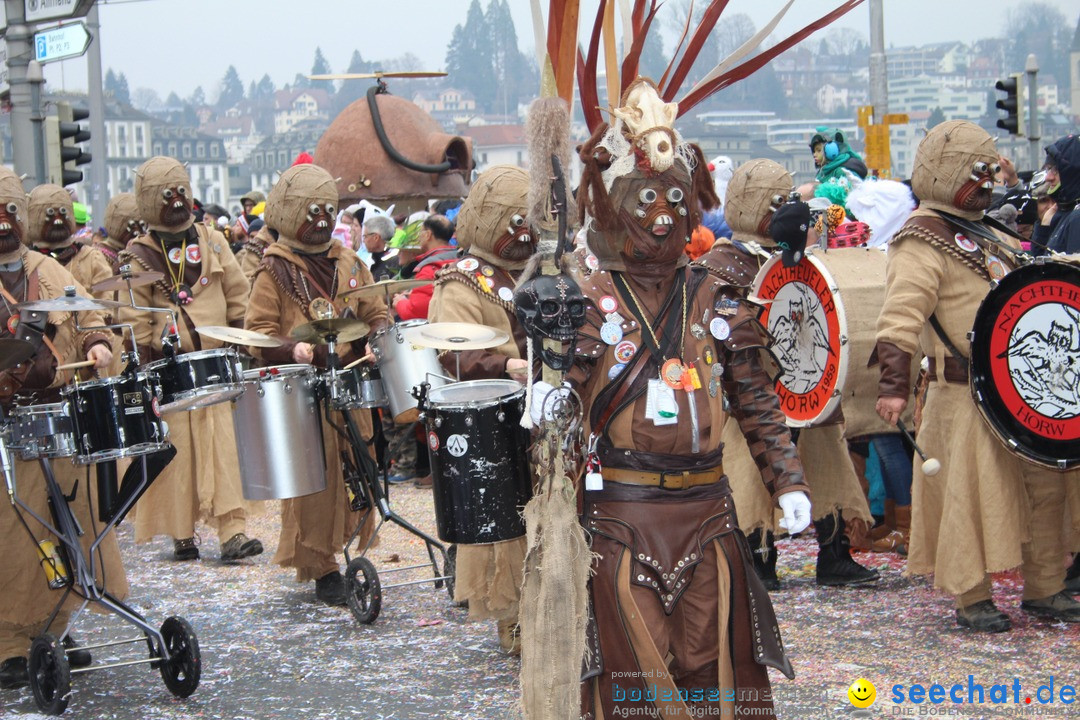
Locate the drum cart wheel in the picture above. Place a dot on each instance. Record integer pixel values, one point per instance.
(181, 672)
(50, 674)
(362, 590)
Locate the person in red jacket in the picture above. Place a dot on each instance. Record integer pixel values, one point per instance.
(435, 251)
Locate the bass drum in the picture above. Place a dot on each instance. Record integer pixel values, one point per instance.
(805, 315)
(859, 274)
(404, 366)
(279, 433)
(1025, 362)
(479, 460)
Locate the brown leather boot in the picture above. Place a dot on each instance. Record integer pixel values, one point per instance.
(887, 525)
(903, 525)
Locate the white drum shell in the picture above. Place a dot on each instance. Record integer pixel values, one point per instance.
(403, 366)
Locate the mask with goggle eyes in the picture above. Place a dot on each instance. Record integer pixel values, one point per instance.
(175, 206)
(317, 228)
(774, 204)
(658, 227)
(56, 227)
(11, 228)
(977, 191)
(517, 242)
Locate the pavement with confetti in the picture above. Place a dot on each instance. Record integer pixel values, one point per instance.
(270, 651)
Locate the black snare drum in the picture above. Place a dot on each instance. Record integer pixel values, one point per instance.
(116, 417)
(479, 460)
(1025, 363)
(199, 379)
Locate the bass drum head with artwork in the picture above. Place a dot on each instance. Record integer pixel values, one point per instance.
(1025, 363)
(804, 315)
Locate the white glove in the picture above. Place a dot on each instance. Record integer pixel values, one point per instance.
(543, 401)
(796, 507)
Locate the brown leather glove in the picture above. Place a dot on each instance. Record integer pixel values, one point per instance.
(895, 378)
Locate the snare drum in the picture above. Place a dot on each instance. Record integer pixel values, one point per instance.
(116, 417)
(479, 460)
(199, 379)
(279, 433)
(359, 387)
(41, 431)
(404, 366)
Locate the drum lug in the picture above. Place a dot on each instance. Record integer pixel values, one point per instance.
(468, 421)
(287, 388)
(843, 340)
(971, 335)
(438, 422)
(501, 416)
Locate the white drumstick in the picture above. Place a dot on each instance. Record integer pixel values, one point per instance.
(930, 466)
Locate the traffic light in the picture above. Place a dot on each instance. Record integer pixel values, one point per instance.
(62, 133)
(1013, 104)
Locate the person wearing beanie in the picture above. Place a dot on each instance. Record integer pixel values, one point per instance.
(756, 194)
(302, 276)
(51, 230)
(987, 510)
(27, 601)
(203, 285)
(249, 200)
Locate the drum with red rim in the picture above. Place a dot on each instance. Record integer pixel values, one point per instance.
(804, 314)
(1025, 362)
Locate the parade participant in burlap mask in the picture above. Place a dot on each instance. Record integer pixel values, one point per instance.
(302, 277)
(51, 229)
(662, 345)
(122, 224)
(26, 600)
(941, 266)
(757, 190)
(202, 285)
(496, 242)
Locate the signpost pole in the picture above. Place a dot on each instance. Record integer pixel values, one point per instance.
(19, 37)
(98, 190)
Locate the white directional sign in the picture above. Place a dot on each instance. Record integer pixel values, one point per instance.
(60, 43)
(37, 10)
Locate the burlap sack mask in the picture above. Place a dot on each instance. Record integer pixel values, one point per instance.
(152, 181)
(42, 198)
(290, 200)
(750, 200)
(497, 195)
(121, 210)
(944, 162)
(12, 195)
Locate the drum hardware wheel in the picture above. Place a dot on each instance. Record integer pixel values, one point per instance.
(181, 672)
(50, 674)
(362, 590)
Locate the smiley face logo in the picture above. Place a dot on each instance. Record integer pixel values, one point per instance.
(862, 693)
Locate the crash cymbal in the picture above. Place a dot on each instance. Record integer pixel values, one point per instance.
(123, 282)
(238, 336)
(378, 74)
(455, 336)
(317, 332)
(387, 286)
(13, 352)
(68, 303)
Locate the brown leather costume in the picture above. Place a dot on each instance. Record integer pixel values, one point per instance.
(678, 608)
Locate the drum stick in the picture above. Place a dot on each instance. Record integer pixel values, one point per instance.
(930, 466)
(76, 365)
(357, 361)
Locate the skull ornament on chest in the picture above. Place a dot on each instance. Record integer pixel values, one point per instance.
(551, 307)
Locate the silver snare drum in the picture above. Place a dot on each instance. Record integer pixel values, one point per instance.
(279, 433)
(41, 431)
(403, 367)
(199, 379)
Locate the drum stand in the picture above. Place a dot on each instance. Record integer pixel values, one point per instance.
(173, 649)
(363, 589)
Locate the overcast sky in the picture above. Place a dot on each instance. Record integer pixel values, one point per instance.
(180, 44)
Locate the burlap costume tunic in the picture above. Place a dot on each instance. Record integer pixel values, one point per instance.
(203, 481)
(474, 290)
(251, 254)
(313, 527)
(87, 264)
(986, 510)
(26, 600)
(823, 450)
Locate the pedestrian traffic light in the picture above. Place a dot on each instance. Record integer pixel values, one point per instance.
(1012, 104)
(63, 132)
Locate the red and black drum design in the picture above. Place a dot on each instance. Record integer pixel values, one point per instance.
(804, 314)
(1025, 362)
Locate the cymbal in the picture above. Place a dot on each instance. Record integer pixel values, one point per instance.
(238, 336)
(317, 332)
(13, 352)
(378, 74)
(123, 282)
(69, 303)
(455, 336)
(387, 286)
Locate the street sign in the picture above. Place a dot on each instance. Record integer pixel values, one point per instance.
(5, 88)
(37, 10)
(66, 41)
